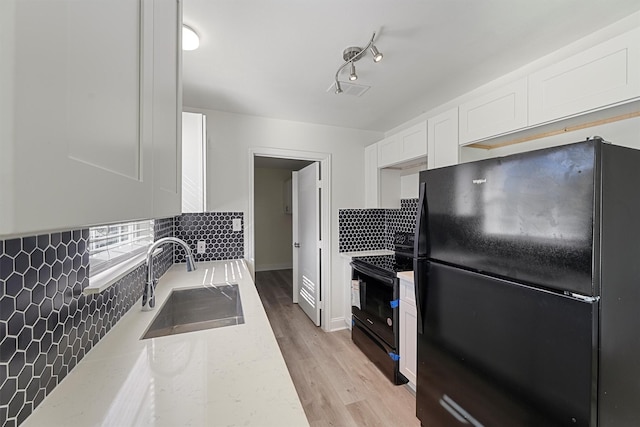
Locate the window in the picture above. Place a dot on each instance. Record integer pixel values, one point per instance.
(194, 136)
(110, 245)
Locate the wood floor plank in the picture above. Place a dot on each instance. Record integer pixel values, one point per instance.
(336, 382)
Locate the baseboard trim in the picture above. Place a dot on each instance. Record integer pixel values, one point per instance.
(337, 324)
(270, 267)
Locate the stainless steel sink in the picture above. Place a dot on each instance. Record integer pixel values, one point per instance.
(196, 309)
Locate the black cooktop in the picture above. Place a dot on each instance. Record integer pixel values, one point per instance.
(389, 263)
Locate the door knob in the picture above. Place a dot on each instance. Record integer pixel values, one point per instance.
(296, 245)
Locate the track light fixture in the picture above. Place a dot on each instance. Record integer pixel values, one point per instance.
(353, 54)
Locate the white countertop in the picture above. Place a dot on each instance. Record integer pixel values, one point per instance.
(366, 253)
(230, 376)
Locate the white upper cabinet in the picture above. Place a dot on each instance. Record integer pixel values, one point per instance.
(167, 109)
(443, 139)
(500, 111)
(605, 74)
(406, 145)
(89, 112)
(389, 151)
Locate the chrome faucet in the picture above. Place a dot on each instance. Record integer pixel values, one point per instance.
(149, 296)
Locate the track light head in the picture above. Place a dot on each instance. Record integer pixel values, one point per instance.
(338, 87)
(352, 75)
(377, 56)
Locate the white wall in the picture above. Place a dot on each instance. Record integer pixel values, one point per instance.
(231, 136)
(273, 227)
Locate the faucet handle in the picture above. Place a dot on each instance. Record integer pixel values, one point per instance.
(149, 295)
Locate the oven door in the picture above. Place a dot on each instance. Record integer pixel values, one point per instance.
(376, 311)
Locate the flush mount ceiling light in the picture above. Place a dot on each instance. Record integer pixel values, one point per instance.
(190, 39)
(353, 54)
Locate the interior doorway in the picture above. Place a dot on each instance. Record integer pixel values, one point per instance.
(269, 238)
(273, 211)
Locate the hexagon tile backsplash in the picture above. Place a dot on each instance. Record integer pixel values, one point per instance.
(47, 325)
(373, 229)
(216, 230)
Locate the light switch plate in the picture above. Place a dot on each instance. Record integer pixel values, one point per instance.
(237, 224)
(202, 246)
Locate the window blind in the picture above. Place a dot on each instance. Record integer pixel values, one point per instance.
(110, 245)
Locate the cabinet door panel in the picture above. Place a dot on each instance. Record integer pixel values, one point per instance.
(408, 341)
(443, 139)
(93, 87)
(603, 75)
(414, 142)
(500, 111)
(389, 151)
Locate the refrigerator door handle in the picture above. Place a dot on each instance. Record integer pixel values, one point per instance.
(458, 412)
(418, 279)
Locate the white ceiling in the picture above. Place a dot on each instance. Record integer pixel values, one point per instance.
(277, 58)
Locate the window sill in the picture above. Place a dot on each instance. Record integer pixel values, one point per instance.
(106, 279)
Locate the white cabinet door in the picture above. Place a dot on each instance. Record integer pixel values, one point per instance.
(406, 145)
(167, 109)
(389, 151)
(76, 112)
(371, 183)
(443, 139)
(413, 142)
(503, 110)
(408, 334)
(606, 74)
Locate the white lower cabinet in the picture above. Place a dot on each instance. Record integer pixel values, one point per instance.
(408, 332)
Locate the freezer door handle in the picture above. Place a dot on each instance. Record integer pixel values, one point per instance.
(458, 412)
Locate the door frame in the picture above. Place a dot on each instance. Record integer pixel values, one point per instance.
(325, 219)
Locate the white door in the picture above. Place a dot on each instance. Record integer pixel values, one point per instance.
(294, 233)
(308, 258)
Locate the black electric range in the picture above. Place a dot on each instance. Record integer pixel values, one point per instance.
(375, 299)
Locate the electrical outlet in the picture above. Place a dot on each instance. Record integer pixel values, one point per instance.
(202, 246)
(237, 224)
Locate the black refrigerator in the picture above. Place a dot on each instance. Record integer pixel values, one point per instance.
(527, 273)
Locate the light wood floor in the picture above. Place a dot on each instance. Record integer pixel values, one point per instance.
(336, 383)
